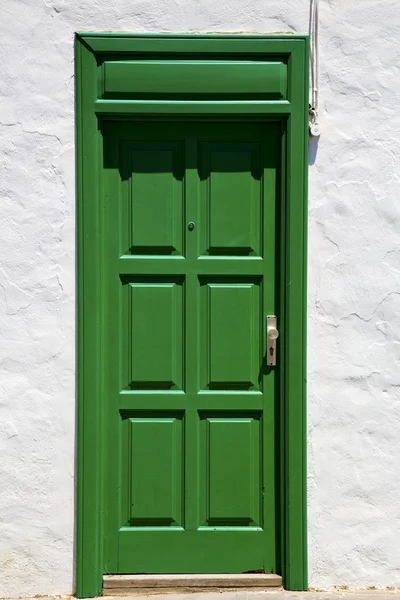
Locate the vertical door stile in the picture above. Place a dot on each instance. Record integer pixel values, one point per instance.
(270, 193)
(191, 214)
(113, 327)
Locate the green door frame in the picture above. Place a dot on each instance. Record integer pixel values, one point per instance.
(91, 50)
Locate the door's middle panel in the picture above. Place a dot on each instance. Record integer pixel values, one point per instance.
(230, 325)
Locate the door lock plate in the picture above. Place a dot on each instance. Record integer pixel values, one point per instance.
(272, 336)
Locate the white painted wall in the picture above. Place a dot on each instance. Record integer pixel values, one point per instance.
(354, 279)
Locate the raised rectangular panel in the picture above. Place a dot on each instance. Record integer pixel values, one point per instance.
(231, 198)
(231, 481)
(155, 467)
(230, 334)
(156, 334)
(237, 79)
(156, 198)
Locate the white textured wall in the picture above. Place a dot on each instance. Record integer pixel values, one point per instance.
(354, 279)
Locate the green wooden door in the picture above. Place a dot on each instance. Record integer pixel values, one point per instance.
(190, 254)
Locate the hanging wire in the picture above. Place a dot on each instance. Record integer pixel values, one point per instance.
(313, 109)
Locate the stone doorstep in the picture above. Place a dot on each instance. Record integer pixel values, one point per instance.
(116, 585)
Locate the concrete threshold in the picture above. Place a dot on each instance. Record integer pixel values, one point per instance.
(125, 585)
(263, 594)
(371, 593)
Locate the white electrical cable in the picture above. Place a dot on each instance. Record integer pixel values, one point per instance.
(314, 17)
(314, 54)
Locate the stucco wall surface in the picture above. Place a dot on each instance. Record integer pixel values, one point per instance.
(354, 279)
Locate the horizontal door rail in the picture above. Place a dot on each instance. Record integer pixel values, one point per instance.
(188, 107)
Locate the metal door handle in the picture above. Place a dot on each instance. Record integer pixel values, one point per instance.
(272, 336)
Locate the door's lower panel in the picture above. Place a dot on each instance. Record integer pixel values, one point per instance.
(200, 510)
(201, 551)
(153, 458)
(231, 482)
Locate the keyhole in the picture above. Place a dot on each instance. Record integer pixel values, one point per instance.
(191, 226)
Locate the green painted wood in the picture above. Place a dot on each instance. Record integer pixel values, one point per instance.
(295, 428)
(246, 79)
(98, 548)
(109, 44)
(189, 107)
(227, 305)
(234, 224)
(199, 339)
(232, 466)
(253, 399)
(251, 265)
(157, 188)
(156, 306)
(89, 547)
(154, 446)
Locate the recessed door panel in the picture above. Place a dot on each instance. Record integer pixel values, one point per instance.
(231, 198)
(155, 328)
(231, 329)
(231, 470)
(154, 469)
(155, 202)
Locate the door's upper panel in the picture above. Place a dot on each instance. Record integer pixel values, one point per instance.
(163, 79)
